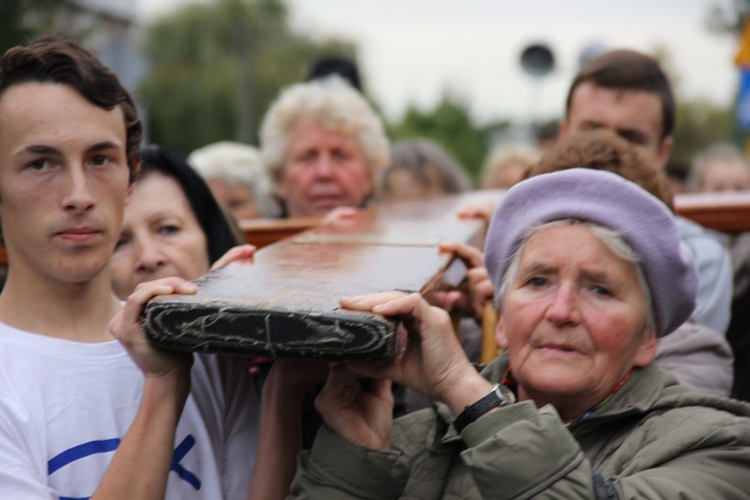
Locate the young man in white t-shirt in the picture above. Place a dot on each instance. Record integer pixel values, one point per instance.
(81, 413)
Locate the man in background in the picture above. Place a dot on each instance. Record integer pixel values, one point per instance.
(628, 92)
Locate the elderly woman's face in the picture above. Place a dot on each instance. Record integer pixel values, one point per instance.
(574, 319)
(238, 199)
(323, 169)
(402, 185)
(160, 236)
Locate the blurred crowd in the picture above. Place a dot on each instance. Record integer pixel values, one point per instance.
(583, 237)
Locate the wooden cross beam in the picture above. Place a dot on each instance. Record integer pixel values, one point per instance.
(286, 303)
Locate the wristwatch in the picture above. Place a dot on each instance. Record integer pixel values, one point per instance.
(501, 395)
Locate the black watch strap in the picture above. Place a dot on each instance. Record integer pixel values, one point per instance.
(500, 395)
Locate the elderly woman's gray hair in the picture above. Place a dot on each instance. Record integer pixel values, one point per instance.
(428, 162)
(716, 154)
(335, 105)
(505, 165)
(235, 163)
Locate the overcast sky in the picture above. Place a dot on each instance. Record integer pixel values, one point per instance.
(411, 51)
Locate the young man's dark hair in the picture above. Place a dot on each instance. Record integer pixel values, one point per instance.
(53, 60)
(629, 70)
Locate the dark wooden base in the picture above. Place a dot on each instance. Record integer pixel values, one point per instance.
(238, 329)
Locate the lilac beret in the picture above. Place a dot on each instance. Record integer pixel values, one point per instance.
(611, 201)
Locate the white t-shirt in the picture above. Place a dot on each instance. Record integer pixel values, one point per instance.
(65, 406)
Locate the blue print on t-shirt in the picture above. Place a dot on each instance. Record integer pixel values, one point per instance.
(179, 453)
(81, 451)
(108, 445)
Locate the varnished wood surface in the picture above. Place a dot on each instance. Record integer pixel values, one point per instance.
(263, 232)
(725, 212)
(286, 303)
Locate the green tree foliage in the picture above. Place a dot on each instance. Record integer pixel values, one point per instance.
(450, 124)
(700, 124)
(24, 20)
(216, 67)
(728, 19)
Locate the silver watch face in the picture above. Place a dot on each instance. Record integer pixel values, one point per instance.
(505, 394)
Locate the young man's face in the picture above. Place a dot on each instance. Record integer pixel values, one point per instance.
(634, 115)
(63, 181)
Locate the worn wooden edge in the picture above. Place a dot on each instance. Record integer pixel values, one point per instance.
(239, 330)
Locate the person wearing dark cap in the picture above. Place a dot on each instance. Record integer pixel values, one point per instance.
(574, 407)
(336, 65)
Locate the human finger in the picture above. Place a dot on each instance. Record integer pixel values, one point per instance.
(148, 290)
(482, 211)
(367, 302)
(339, 214)
(234, 254)
(338, 392)
(298, 376)
(471, 256)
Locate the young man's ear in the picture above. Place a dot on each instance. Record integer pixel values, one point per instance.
(133, 177)
(563, 128)
(665, 149)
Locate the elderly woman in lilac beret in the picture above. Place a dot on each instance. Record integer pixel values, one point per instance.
(589, 272)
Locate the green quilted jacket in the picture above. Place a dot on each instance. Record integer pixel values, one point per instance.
(654, 439)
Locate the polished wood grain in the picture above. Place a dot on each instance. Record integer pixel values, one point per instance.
(263, 232)
(724, 212)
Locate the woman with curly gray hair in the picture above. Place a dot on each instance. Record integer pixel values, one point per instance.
(324, 147)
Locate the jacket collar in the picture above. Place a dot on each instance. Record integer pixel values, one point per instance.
(648, 389)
